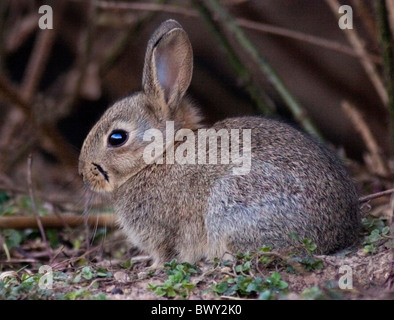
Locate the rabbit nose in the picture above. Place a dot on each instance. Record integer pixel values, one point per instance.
(102, 171)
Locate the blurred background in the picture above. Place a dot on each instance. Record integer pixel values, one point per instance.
(282, 58)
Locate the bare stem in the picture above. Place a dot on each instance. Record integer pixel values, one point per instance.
(59, 221)
(376, 195)
(245, 23)
(386, 45)
(229, 27)
(358, 45)
(243, 73)
(379, 164)
(34, 205)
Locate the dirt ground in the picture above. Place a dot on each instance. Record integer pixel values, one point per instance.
(111, 271)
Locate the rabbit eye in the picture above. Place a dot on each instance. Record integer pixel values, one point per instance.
(117, 138)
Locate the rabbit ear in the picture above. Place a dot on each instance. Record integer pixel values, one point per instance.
(168, 65)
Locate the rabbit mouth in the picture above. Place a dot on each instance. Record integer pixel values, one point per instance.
(102, 171)
(97, 179)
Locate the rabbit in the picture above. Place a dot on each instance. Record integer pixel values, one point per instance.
(192, 212)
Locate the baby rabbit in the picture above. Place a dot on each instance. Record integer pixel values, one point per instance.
(200, 211)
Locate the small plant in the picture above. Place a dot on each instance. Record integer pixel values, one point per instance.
(88, 273)
(377, 232)
(243, 282)
(251, 286)
(178, 280)
(27, 286)
(313, 293)
(23, 287)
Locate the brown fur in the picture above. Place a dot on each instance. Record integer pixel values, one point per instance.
(190, 212)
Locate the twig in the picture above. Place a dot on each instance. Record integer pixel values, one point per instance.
(304, 37)
(17, 261)
(375, 195)
(386, 45)
(390, 7)
(264, 105)
(71, 260)
(294, 264)
(364, 11)
(34, 205)
(146, 7)
(358, 45)
(3, 13)
(248, 24)
(112, 54)
(10, 94)
(37, 62)
(230, 27)
(53, 221)
(379, 164)
(76, 76)
(234, 298)
(51, 139)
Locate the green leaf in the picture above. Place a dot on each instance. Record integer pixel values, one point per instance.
(77, 278)
(100, 296)
(188, 286)
(4, 198)
(309, 245)
(171, 293)
(265, 249)
(177, 277)
(370, 248)
(221, 287)
(255, 285)
(386, 230)
(87, 273)
(246, 266)
(13, 238)
(313, 293)
(282, 285)
(159, 291)
(265, 295)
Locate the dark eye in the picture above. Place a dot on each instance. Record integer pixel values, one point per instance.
(117, 138)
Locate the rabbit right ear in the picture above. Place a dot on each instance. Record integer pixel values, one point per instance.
(168, 66)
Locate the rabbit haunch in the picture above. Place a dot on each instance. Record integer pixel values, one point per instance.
(293, 185)
(185, 153)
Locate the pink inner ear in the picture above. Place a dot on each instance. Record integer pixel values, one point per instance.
(168, 67)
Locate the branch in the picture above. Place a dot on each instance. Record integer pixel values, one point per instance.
(264, 105)
(63, 220)
(112, 54)
(38, 59)
(375, 195)
(366, 16)
(379, 164)
(247, 24)
(230, 27)
(358, 45)
(8, 93)
(386, 45)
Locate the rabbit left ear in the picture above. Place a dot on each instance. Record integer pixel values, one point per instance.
(168, 65)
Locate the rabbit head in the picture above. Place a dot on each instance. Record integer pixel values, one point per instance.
(112, 151)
